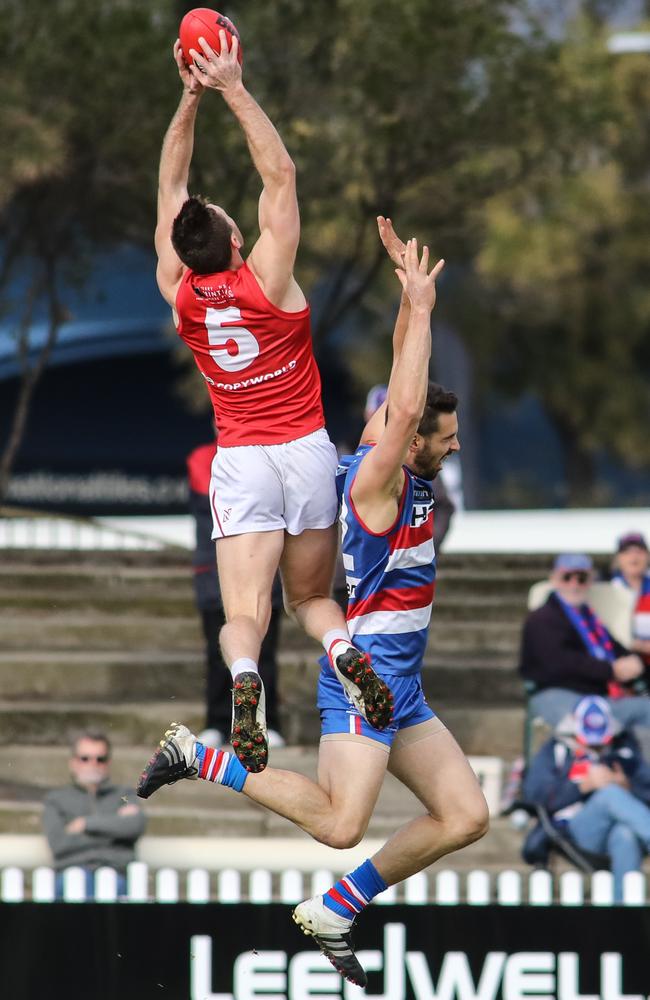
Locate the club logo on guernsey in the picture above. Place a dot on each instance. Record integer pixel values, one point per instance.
(422, 506)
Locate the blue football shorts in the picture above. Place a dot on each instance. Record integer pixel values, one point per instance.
(338, 716)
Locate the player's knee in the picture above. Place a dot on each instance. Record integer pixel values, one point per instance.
(345, 834)
(477, 819)
(257, 616)
(294, 601)
(471, 822)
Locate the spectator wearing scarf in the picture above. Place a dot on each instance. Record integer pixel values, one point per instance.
(567, 652)
(632, 571)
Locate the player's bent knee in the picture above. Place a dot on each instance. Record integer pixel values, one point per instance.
(344, 835)
(293, 602)
(468, 824)
(259, 618)
(474, 822)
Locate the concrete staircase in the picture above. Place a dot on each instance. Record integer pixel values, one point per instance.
(112, 640)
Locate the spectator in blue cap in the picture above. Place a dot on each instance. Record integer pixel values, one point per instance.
(595, 785)
(376, 396)
(567, 652)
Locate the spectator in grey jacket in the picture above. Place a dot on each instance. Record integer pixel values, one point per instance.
(92, 822)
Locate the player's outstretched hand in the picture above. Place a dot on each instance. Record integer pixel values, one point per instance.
(190, 83)
(395, 247)
(418, 283)
(217, 71)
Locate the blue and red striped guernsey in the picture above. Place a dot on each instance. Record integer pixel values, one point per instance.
(390, 576)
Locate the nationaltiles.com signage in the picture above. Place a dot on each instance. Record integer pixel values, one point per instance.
(254, 952)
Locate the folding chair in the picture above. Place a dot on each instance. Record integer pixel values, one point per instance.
(585, 861)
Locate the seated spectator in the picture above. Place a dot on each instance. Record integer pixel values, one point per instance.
(92, 822)
(207, 594)
(595, 786)
(567, 652)
(632, 572)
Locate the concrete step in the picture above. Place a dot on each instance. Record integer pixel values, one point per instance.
(76, 675)
(489, 730)
(28, 766)
(61, 629)
(486, 681)
(95, 631)
(77, 581)
(177, 603)
(79, 601)
(74, 582)
(26, 817)
(128, 723)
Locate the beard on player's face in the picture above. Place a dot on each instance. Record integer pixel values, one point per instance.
(427, 460)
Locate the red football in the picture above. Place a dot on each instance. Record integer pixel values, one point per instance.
(205, 23)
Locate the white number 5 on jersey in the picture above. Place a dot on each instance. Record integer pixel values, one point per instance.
(234, 347)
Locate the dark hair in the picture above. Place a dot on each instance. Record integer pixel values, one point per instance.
(96, 735)
(439, 400)
(201, 237)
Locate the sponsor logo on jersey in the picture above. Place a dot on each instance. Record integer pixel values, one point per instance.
(255, 380)
(219, 295)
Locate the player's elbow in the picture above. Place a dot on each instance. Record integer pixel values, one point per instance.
(284, 173)
(405, 414)
(288, 167)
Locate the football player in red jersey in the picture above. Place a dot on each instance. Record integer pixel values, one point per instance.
(246, 321)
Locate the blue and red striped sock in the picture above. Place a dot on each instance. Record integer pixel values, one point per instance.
(220, 767)
(354, 891)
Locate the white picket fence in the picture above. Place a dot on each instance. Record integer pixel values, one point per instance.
(445, 888)
(70, 534)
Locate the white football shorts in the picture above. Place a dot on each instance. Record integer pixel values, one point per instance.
(290, 486)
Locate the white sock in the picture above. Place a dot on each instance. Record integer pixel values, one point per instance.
(242, 664)
(335, 642)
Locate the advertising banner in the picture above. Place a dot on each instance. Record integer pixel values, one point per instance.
(188, 951)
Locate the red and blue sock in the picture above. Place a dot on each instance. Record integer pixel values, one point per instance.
(220, 767)
(353, 892)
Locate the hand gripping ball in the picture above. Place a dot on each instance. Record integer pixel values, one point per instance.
(205, 23)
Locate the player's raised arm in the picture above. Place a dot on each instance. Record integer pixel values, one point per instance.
(173, 173)
(395, 248)
(273, 256)
(378, 484)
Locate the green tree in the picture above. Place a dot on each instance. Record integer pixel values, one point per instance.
(421, 109)
(418, 109)
(80, 114)
(565, 263)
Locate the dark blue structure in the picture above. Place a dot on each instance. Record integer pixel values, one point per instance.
(108, 431)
